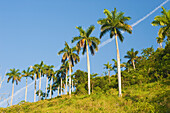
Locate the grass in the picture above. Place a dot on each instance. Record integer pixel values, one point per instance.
(152, 97)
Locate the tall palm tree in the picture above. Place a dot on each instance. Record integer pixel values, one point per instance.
(164, 22)
(114, 23)
(47, 70)
(132, 56)
(36, 73)
(109, 67)
(68, 54)
(40, 68)
(51, 78)
(86, 42)
(26, 73)
(73, 82)
(14, 75)
(60, 74)
(65, 66)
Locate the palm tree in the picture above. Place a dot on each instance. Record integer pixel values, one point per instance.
(40, 68)
(65, 66)
(85, 41)
(109, 67)
(73, 82)
(47, 70)
(114, 23)
(68, 54)
(131, 55)
(26, 74)
(60, 74)
(51, 78)
(35, 71)
(160, 41)
(163, 21)
(15, 76)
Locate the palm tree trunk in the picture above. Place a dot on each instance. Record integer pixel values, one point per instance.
(133, 63)
(61, 85)
(12, 92)
(88, 67)
(118, 67)
(109, 75)
(72, 86)
(39, 94)
(51, 87)
(58, 89)
(35, 88)
(160, 45)
(46, 88)
(26, 90)
(92, 89)
(66, 82)
(70, 77)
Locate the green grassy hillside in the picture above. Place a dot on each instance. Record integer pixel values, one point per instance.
(152, 97)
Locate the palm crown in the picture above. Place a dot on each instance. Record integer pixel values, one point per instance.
(68, 53)
(85, 39)
(108, 66)
(14, 75)
(114, 22)
(163, 21)
(132, 56)
(27, 73)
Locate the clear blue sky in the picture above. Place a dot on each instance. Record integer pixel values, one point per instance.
(35, 30)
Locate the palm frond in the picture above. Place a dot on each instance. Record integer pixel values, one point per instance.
(91, 50)
(103, 32)
(61, 51)
(95, 46)
(76, 39)
(102, 21)
(82, 32)
(95, 40)
(89, 30)
(119, 34)
(107, 13)
(84, 49)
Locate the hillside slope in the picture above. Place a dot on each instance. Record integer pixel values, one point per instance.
(152, 97)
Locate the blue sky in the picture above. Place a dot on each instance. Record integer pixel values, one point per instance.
(35, 30)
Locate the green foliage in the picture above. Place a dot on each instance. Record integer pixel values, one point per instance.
(152, 97)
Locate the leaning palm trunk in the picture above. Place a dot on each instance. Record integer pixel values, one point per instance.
(46, 88)
(118, 67)
(61, 85)
(35, 89)
(12, 92)
(26, 91)
(51, 87)
(70, 77)
(66, 82)
(88, 68)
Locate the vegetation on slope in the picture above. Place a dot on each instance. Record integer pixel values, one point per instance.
(152, 97)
